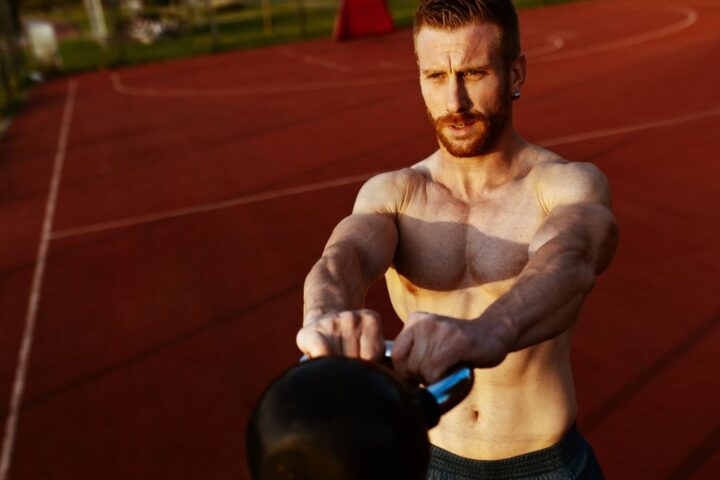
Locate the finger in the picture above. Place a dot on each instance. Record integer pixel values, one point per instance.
(372, 347)
(372, 343)
(432, 374)
(312, 343)
(400, 351)
(348, 334)
(427, 360)
(443, 351)
(419, 322)
(417, 316)
(403, 342)
(418, 354)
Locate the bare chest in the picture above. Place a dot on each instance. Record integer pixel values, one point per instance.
(445, 244)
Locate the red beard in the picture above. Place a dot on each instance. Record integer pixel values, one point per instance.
(485, 130)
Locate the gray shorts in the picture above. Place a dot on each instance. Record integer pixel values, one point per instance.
(571, 458)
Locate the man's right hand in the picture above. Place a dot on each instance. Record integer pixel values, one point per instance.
(351, 333)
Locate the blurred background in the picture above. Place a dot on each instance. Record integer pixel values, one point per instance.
(50, 37)
(171, 169)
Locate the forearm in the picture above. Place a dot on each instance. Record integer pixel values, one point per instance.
(546, 298)
(336, 282)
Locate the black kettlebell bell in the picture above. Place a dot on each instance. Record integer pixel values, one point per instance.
(337, 418)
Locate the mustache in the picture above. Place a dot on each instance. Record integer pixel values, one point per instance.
(457, 118)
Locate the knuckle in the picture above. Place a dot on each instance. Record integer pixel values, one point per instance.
(301, 341)
(370, 314)
(356, 319)
(327, 325)
(306, 335)
(371, 323)
(446, 328)
(345, 318)
(421, 320)
(345, 326)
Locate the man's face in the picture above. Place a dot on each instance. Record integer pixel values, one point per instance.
(465, 85)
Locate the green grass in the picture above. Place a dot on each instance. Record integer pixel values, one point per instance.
(239, 28)
(11, 100)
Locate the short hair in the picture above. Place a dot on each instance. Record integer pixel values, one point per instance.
(452, 14)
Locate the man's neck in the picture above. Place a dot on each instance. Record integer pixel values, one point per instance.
(470, 177)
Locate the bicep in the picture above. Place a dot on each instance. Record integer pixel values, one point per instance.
(373, 237)
(586, 229)
(370, 231)
(579, 216)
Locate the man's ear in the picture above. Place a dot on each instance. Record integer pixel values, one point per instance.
(518, 71)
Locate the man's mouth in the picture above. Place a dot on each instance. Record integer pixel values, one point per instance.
(461, 125)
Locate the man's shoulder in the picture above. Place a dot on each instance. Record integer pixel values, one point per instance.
(558, 168)
(386, 192)
(395, 179)
(560, 181)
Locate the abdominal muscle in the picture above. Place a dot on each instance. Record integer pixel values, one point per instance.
(517, 407)
(524, 404)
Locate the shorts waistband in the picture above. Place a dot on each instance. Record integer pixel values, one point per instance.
(525, 465)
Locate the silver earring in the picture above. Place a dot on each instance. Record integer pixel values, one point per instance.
(515, 95)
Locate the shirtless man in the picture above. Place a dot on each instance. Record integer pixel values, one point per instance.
(488, 246)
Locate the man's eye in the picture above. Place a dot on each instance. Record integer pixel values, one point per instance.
(475, 74)
(436, 76)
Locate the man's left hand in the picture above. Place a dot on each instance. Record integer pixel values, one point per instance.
(429, 345)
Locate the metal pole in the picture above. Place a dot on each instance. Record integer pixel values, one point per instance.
(303, 18)
(267, 18)
(7, 29)
(96, 18)
(4, 77)
(213, 24)
(8, 50)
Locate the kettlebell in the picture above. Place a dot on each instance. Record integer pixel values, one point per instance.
(339, 418)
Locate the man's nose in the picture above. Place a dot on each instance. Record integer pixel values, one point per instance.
(457, 96)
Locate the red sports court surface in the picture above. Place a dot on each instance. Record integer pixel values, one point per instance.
(158, 223)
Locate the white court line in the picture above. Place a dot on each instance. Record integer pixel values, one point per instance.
(312, 187)
(608, 132)
(23, 363)
(206, 207)
(556, 42)
(229, 92)
(691, 16)
(312, 60)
